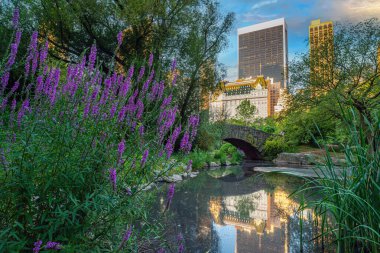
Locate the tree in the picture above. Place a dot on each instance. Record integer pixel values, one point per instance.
(246, 111)
(193, 31)
(350, 78)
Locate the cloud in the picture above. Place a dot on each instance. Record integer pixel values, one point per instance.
(232, 73)
(263, 3)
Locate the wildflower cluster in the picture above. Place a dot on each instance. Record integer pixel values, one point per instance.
(72, 136)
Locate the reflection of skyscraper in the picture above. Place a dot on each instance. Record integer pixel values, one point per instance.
(263, 50)
(321, 49)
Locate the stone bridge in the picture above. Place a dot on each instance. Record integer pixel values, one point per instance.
(248, 139)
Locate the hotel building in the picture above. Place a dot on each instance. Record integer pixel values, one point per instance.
(263, 60)
(263, 50)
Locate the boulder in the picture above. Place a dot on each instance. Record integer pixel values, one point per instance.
(214, 164)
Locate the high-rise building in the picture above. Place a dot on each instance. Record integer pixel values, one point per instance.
(263, 50)
(321, 38)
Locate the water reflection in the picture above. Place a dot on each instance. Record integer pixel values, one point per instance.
(226, 211)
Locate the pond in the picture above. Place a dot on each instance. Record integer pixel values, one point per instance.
(235, 210)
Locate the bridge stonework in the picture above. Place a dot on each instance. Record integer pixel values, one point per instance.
(248, 139)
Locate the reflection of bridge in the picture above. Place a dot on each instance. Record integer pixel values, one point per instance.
(248, 139)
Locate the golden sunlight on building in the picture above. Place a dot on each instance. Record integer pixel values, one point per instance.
(262, 92)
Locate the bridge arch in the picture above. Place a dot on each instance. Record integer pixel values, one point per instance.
(248, 139)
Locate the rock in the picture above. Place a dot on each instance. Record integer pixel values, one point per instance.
(173, 179)
(147, 187)
(193, 174)
(214, 164)
(296, 159)
(228, 163)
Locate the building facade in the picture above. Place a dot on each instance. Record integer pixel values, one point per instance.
(321, 39)
(263, 50)
(261, 92)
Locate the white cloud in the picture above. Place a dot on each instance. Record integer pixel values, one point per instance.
(263, 3)
(232, 73)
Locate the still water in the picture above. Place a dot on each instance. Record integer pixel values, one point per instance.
(234, 210)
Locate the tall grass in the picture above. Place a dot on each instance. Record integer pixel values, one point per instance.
(348, 205)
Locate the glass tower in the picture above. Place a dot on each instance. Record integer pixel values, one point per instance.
(263, 50)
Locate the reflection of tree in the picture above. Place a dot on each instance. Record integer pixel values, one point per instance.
(245, 205)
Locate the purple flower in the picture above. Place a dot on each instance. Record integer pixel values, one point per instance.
(113, 178)
(189, 165)
(113, 110)
(4, 80)
(13, 106)
(53, 91)
(121, 148)
(141, 73)
(166, 101)
(126, 84)
(144, 157)
(150, 63)
(122, 112)
(32, 51)
(44, 53)
(170, 196)
(120, 38)
(35, 62)
(140, 109)
(174, 79)
(127, 234)
(141, 130)
(185, 144)
(174, 64)
(37, 246)
(16, 17)
(169, 147)
(126, 237)
(92, 58)
(23, 109)
(181, 248)
(53, 245)
(4, 104)
(12, 56)
(15, 86)
(161, 250)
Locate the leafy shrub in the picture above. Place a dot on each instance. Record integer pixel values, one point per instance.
(275, 145)
(76, 150)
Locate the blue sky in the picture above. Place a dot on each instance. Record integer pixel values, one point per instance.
(297, 14)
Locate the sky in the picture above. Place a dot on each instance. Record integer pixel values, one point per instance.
(297, 14)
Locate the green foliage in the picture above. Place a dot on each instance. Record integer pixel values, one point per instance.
(275, 145)
(246, 111)
(209, 134)
(348, 203)
(58, 146)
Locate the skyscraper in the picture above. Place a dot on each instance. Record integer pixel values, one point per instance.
(263, 50)
(321, 49)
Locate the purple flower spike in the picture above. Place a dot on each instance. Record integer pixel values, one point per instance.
(37, 246)
(121, 148)
(141, 74)
(181, 248)
(144, 158)
(53, 245)
(113, 178)
(4, 80)
(120, 38)
(92, 58)
(170, 196)
(150, 63)
(16, 17)
(185, 142)
(126, 237)
(174, 64)
(141, 130)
